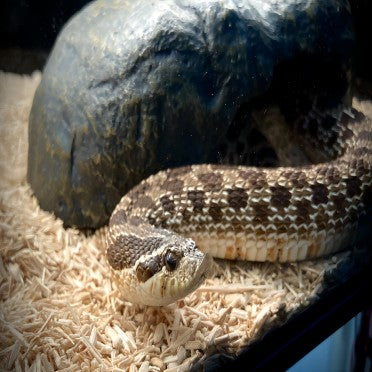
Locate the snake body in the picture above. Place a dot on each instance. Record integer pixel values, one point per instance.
(163, 233)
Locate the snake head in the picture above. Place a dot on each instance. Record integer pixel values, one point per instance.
(177, 268)
(164, 275)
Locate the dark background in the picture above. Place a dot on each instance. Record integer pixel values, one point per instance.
(28, 29)
(33, 24)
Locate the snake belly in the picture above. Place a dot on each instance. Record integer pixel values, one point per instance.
(163, 232)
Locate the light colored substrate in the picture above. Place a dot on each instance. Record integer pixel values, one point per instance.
(60, 311)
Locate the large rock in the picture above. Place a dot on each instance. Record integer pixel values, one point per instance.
(135, 86)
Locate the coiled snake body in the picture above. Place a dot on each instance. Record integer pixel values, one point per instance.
(163, 233)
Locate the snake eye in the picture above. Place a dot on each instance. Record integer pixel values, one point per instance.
(170, 261)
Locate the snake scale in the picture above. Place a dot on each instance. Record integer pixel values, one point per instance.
(164, 231)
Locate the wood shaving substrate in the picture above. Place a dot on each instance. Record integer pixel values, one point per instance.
(60, 310)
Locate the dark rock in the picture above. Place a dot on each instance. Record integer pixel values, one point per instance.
(361, 11)
(135, 86)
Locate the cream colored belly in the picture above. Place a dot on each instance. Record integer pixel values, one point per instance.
(272, 247)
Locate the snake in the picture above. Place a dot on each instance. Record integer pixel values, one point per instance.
(163, 234)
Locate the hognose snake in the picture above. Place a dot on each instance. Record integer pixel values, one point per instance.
(163, 233)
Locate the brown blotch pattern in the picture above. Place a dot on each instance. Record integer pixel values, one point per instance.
(282, 228)
(362, 151)
(246, 175)
(174, 185)
(152, 220)
(297, 178)
(145, 270)
(339, 203)
(261, 213)
(211, 181)
(237, 225)
(304, 210)
(280, 196)
(136, 221)
(186, 214)
(118, 218)
(353, 214)
(321, 221)
(197, 198)
(127, 249)
(144, 202)
(346, 176)
(333, 176)
(257, 179)
(353, 187)
(167, 204)
(358, 166)
(215, 212)
(237, 198)
(320, 194)
(330, 174)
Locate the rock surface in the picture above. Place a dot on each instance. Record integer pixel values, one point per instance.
(132, 87)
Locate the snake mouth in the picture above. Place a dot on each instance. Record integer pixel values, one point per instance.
(201, 273)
